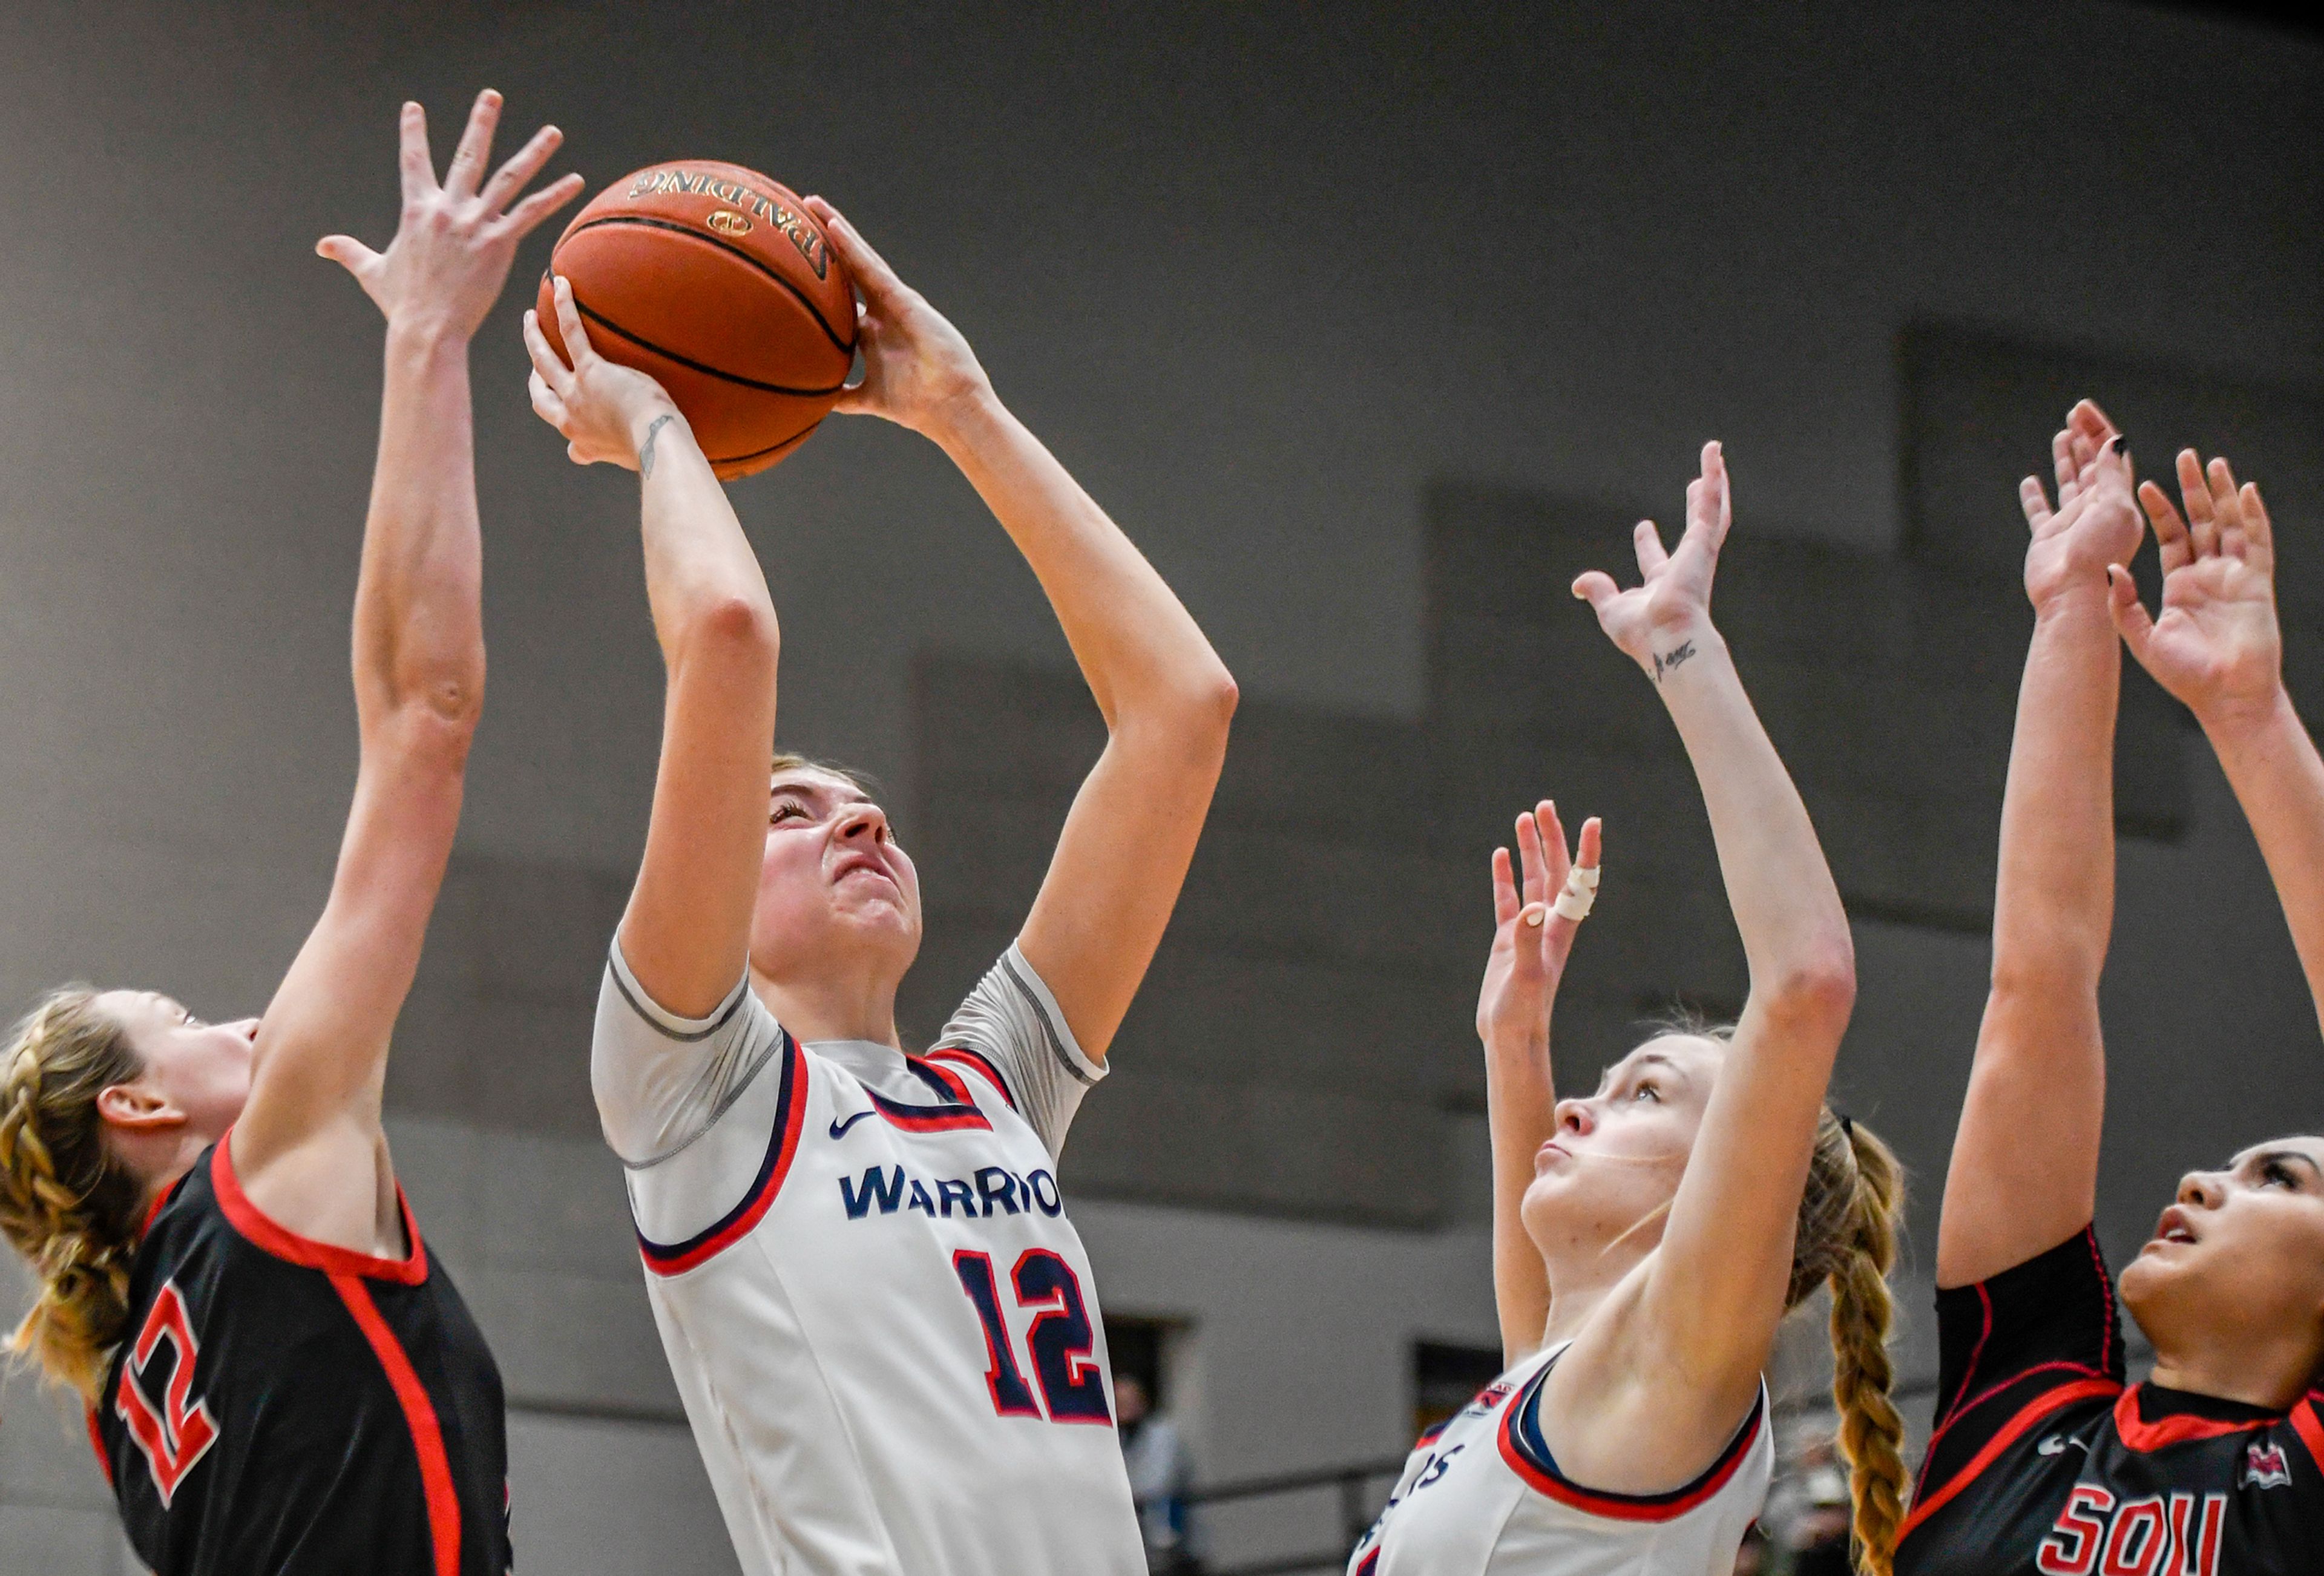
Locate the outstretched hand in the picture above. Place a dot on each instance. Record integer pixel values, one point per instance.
(603, 410)
(918, 371)
(455, 242)
(1656, 622)
(2216, 648)
(2096, 522)
(1531, 940)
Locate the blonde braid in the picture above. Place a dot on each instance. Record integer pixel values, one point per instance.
(68, 1205)
(1847, 1237)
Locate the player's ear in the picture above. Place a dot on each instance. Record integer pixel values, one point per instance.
(136, 1108)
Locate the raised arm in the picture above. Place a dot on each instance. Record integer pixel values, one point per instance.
(1690, 1352)
(2218, 648)
(1533, 936)
(309, 1146)
(1166, 697)
(686, 934)
(2041, 1063)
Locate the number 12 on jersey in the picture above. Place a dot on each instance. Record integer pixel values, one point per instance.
(1058, 1341)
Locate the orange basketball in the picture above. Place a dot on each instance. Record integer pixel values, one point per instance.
(718, 282)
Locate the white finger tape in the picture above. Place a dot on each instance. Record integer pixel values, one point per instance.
(1580, 892)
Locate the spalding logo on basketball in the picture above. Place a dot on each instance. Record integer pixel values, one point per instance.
(719, 285)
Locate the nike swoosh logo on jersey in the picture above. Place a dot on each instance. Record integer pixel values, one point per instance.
(839, 1130)
(2055, 1445)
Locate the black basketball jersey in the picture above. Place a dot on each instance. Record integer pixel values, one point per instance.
(2043, 1461)
(281, 1407)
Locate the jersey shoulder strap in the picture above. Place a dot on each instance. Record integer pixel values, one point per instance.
(1527, 1451)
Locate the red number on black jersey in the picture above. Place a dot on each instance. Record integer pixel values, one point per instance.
(181, 1431)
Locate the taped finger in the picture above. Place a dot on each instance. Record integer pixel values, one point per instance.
(1581, 893)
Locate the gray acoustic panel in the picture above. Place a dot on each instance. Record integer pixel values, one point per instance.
(1978, 409)
(1309, 1017)
(497, 1030)
(1888, 688)
(1334, 1153)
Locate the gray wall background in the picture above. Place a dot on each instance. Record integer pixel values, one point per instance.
(1368, 323)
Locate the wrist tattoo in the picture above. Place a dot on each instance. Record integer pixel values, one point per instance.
(1665, 661)
(646, 449)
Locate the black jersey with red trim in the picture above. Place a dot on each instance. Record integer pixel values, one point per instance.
(283, 1407)
(2043, 1461)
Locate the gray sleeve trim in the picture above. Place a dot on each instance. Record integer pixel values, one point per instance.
(662, 1080)
(1055, 1030)
(734, 1091)
(666, 1023)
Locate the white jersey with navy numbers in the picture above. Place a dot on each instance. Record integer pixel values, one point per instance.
(882, 1324)
(1482, 1497)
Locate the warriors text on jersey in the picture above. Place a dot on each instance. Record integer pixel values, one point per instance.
(285, 1406)
(2042, 1461)
(1482, 1497)
(883, 1325)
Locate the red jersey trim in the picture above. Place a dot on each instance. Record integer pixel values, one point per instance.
(1626, 1506)
(2106, 1282)
(960, 1109)
(2031, 1413)
(1969, 1373)
(2309, 1428)
(1996, 1388)
(982, 1068)
(782, 1147)
(264, 1234)
(419, 1413)
(2142, 1435)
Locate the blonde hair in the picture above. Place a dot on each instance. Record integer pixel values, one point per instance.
(1846, 1238)
(68, 1203)
(1851, 1213)
(788, 760)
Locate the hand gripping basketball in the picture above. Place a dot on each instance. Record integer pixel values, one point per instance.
(714, 280)
(603, 410)
(918, 371)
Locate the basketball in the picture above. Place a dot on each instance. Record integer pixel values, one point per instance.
(718, 283)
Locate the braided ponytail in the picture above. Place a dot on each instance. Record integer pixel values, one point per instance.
(68, 1205)
(1847, 1237)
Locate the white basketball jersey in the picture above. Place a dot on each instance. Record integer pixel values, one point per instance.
(883, 1326)
(1480, 1496)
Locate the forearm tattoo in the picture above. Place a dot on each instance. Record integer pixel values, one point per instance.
(646, 449)
(1665, 661)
